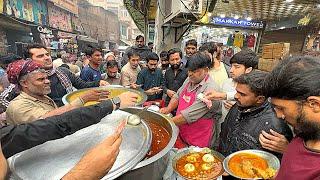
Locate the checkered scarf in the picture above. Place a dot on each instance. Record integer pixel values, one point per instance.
(65, 81)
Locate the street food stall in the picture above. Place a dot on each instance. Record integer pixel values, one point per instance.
(144, 152)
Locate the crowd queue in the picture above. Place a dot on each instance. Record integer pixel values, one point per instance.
(227, 106)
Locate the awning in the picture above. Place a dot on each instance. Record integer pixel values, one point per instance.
(86, 38)
(11, 23)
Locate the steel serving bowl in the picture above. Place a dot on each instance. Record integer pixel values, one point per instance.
(114, 91)
(272, 160)
(193, 150)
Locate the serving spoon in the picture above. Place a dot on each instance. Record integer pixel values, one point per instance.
(134, 119)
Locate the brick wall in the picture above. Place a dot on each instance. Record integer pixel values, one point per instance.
(294, 36)
(99, 23)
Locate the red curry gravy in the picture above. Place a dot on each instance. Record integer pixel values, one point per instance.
(238, 167)
(197, 161)
(160, 138)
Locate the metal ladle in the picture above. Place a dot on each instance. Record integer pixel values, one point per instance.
(134, 119)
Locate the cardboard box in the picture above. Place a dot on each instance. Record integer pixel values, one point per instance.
(281, 46)
(267, 48)
(267, 64)
(280, 54)
(275, 51)
(267, 55)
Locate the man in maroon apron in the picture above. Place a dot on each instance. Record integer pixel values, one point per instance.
(194, 118)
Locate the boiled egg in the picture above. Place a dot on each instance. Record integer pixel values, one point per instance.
(206, 166)
(208, 158)
(189, 167)
(134, 120)
(191, 159)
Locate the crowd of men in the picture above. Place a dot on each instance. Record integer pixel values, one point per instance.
(225, 106)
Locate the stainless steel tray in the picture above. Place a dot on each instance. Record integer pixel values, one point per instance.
(54, 159)
(115, 90)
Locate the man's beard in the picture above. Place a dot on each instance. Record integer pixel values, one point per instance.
(175, 66)
(241, 107)
(306, 129)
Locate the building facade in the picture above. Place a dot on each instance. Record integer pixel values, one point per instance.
(99, 26)
(128, 29)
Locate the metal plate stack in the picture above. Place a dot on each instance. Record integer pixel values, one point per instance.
(53, 159)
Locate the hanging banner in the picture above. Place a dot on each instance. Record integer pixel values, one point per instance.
(237, 23)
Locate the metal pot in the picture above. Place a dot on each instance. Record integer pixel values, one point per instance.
(154, 167)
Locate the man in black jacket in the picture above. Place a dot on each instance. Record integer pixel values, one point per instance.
(96, 163)
(139, 48)
(251, 115)
(62, 80)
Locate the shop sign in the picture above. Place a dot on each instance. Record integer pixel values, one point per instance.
(65, 35)
(1, 6)
(58, 18)
(237, 23)
(44, 30)
(31, 10)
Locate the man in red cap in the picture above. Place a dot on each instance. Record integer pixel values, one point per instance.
(33, 102)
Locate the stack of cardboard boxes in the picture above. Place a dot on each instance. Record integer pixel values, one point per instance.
(272, 54)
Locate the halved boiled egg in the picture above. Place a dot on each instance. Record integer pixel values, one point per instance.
(206, 166)
(189, 167)
(208, 158)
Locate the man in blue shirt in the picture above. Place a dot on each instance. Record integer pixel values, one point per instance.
(92, 72)
(150, 79)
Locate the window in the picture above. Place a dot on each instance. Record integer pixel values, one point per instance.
(124, 31)
(124, 13)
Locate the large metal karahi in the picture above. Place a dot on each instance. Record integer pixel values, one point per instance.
(53, 159)
(154, 167)
(115, 90)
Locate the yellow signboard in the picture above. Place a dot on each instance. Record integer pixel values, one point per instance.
(1, 6)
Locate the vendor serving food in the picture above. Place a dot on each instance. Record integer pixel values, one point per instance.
(194, 117)
(96, 163)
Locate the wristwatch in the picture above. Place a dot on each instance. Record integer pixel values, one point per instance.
(116, 101)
